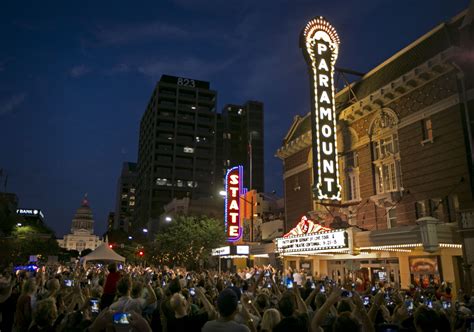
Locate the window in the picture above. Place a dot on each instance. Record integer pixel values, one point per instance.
(161, 181)
(436, 208)
(391, 217)
(427, 130)
(124, 196)
(188, 149)
(132, 190)
(352, 176)
(387, 164)
(420, 209)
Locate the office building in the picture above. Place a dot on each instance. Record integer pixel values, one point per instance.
(126, 197)
(177, 146)
(242, 144)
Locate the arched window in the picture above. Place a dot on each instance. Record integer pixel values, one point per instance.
(383, 133)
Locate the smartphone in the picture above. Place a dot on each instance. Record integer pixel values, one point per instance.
(121, 318)
(373, 289)
(446, 305)
(289, 285)
(353, 285)
(192, 291)
(313, 286)
(188, 277)
(429, 304)
(163, 284)
(409, 305)
(346, 293)
(94, 303)
(69, 283)
(366, 300)
(322, 289)
(269, 285)
(266, 274)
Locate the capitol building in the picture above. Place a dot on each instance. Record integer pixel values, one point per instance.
(82, 230)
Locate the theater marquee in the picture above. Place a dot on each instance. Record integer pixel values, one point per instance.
(234, 181)
(320, 44)
(309, 236)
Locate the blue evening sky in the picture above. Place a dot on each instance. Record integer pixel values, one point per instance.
(76, 76)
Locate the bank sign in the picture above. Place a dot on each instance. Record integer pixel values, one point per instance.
(233, 181)
(312, 242)
(320, 44)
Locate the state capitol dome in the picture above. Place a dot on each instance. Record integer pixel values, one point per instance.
(83, 221)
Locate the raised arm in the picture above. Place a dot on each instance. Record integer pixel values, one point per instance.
(324, 310)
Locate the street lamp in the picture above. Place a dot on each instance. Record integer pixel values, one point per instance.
(223, 193)
(145, 230)
(168, 219)
(130, 237)
(19, 224)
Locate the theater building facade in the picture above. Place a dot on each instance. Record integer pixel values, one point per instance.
(404, 147)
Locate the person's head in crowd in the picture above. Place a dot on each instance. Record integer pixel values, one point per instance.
(137, 289)
(45, 313)
(174, 286)
(97, 291)
(236, 291)
(344, 306)
(448, 291)
(287, 304)
(53, 285)
(179, 304)
(262, 302)
(271, 317)
(72, 322)
(227, 303)
(426, 319)
(29, 287)
(112, 267)
(124, 286)
(345, 322)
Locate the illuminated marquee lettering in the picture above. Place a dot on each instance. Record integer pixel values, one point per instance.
(232, 203)
(320, 44)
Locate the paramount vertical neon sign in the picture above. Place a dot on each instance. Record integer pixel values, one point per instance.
(233, 181)
(320, 44)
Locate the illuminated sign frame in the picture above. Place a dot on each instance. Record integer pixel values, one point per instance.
(320, 43)
(313, 242)
(233, 189)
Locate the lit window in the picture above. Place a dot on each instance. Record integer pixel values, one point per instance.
(179, 183)
(131, 203)
(387, 164)
(427, 128)
(161, 182)
(391, 213)
(132, 190)
(124, 196)
(190, 184)
(198, 139)
(188, 149)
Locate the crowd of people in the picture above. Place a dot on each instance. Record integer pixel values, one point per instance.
(137, 298)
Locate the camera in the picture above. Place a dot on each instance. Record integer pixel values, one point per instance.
(94, 303)
(366, 300)
(121, 318)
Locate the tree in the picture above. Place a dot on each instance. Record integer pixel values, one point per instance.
(187, 240)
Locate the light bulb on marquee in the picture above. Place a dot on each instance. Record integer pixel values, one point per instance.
(320, 44)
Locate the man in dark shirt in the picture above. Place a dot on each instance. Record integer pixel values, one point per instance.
(291, 321)
(184, 320)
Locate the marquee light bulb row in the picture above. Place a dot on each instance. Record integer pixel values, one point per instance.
(450, 245)
(320, 43)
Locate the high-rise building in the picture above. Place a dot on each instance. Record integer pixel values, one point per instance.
(176, 155)
(242, 144)
(126, 197)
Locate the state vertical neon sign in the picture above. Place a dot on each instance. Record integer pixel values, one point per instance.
(233, 182)
(320, 44)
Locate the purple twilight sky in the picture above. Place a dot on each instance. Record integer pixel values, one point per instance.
(75, 78)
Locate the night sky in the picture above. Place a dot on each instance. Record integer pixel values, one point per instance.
(75, 78)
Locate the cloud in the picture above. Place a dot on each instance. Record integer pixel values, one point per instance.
(129, 33)
(188, 67)
(78, 71)
(120, 68)
(11, 104)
